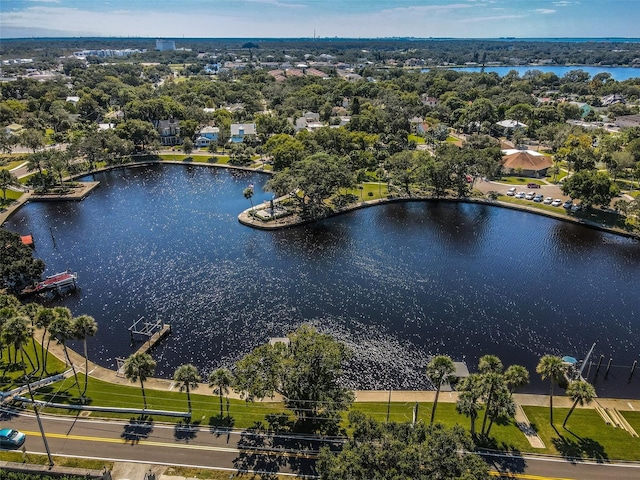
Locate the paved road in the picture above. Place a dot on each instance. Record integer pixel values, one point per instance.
(138, 441)
(204, 447)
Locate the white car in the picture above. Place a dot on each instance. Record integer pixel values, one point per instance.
(520, 195)
(529, 196)
(567, 205)
(556, 203)
(511, 192)
(576, 207)
(548, 201)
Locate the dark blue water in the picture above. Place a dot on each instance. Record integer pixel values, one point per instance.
(397, 283)
(617, 73)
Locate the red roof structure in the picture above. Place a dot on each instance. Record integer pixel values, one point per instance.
(527, 161)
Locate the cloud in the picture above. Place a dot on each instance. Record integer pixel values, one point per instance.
(417, 9)
(562, 3)
(545, 11)
(44, 1)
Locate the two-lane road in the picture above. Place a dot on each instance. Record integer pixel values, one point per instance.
(205, 447)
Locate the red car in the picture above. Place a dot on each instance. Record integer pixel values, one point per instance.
(533, 185)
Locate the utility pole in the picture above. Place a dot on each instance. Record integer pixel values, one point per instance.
(35, 409)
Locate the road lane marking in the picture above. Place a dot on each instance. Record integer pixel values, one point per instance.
(523, 476)
(151, 443)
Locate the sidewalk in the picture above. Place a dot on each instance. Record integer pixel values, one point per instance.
(369, 396)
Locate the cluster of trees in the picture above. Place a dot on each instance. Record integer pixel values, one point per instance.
(18, 268)
(17, 324)
(402, 450)
(306, 372)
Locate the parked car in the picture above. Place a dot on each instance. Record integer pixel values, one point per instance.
(576, 207)
(10, 438)
(530, 196)
(568, 204)
(548, 201)
(520, 195)
(533, 185)
(556, 203)
(511, 192)
(538, 198)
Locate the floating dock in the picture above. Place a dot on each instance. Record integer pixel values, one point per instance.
(154, 331)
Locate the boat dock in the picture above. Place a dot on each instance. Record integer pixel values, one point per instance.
(154, 331)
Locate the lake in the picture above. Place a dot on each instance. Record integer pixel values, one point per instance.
(617, 73)
(397, 283)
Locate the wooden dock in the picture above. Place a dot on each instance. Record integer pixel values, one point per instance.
(154, 339)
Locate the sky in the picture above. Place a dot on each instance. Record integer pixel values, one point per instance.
(325, 18)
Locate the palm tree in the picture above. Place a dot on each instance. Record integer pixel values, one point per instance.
(248, 194)
(516, 376)
(187, 376)
(84, 326)
(31, 311)
(221, 379)
(16, 331)
(490, 364)
(43, 319)
(580, 392)
(61, 329)
(501, 406)
(7, 179)
(551, 367)
(439, 369)
(139, 366)
(492, 382)
(470, 389)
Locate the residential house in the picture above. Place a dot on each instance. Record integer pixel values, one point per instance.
(169, 131)
(527, 163)
(206, 136)
(428, 101)
(13, 129)
(510, 124)
(609, 100)
(73, 99)
(241, 130)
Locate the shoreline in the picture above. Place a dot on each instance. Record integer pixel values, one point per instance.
(293, 220)
(246, 219)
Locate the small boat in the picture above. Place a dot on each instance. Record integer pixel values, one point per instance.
(57, 281)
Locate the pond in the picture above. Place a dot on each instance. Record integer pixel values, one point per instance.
(397, 283)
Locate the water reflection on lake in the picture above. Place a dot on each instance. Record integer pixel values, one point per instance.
(397, 282)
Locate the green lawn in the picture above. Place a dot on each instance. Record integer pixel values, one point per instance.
(586, 436)
(12, 375)
(512, 180)
(416, 138)
(13, 164)
(181, 157)
(370, 191)
(10, 194)
(452, 139)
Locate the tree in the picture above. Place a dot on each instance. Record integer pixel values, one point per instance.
(516, 376)
(580, 392)
(61, 329)
(439, 370)
(43, 319)
(16, 331)
(187, 146)
(248, 194)
(471, 389)
(551, 367)
(18, 268)
(31, 139)
(390, 451)
(284, 150)
(84, 326)
(315, 179)
(187, 376)
(307, 373)
(7, 179)
(591, 187)
(221, 380)
(139, 366)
